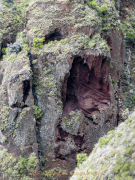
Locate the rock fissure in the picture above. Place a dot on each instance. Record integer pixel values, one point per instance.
(26, 90)
(38, 137)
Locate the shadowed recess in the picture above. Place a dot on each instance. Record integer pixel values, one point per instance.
(87, 87)
(4, 45)
(26, 90)
(56, 35)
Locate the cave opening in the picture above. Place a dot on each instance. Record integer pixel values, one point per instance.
(2, 50)
(26, 90)
(56, 35)
(4, 45)
(86, 88)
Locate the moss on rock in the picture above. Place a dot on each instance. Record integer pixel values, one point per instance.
(113, 156)
(18, 168)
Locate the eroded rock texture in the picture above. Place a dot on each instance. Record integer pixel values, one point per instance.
(73, 83)
(60, 85)
(106, 149)
(88, 87)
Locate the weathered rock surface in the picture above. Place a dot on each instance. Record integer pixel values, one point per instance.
(113, 157)
(18, 124)
(60, 85)
(72, 73)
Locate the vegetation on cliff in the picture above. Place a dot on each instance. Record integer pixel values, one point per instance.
(49, 48)
(18, 169)
(113, 157)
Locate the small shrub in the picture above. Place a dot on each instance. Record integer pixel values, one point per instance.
(103, 141)
(129, 150)
(123, 170)
(110, 132)
(21, 165)
(38, 42)
(3, 50)
(32, 163)
(106, 28)
(103, 10)
(113, 2)
(26, 47)
(94, 116)
(91, 44)
(129, 120)
(133, 24)
(64, 41)
(130, 38)
(114, 81)
(80, 158)
(8, 3)
(93, 4)
(37, 112)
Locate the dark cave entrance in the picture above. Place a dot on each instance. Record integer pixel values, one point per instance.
(4, 44)
(26, 90)
(87, 89)
(56, 35)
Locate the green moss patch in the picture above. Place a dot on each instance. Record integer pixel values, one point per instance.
(20, 168)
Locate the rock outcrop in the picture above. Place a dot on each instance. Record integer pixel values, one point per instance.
(113, 157)
(62, 78)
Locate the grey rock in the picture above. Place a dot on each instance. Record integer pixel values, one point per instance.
(16, 47)
(2, 137)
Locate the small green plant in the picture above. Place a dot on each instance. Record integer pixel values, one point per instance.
(130, 38)
(72, 113)
(5, 139)
(32, 162)
(13, 168)
(8, 3)
(37, 112)
(93, 4)
(110, 132)
(114, 81)
(113, 2)
(26, 47)
(106, 28)
(3, 50)
(94, 116)
(129, 150)
(123, 170)
(129, 120)
(38, 42)
(103, 10)
(49, 174)
(104, 141)
(64, 41)
(21, 165)
(80, 158)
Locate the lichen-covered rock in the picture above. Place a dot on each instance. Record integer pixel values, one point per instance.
(18, 168)
(12, 20)
(61, 79)
(113, 157)
(71, 71)
(17, 120)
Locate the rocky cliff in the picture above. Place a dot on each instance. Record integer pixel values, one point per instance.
(66, 78)
(113, 157)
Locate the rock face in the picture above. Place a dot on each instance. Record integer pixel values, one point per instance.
(113, 157)
(60, 86)
(88, 87)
